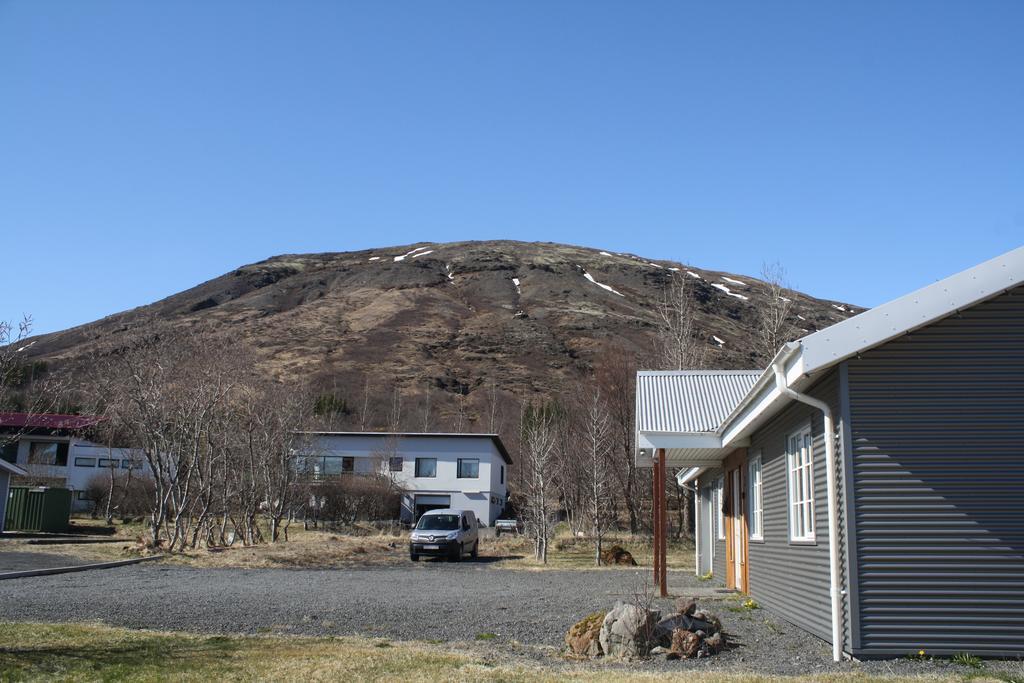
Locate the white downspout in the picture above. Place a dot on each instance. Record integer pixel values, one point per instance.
(833, 505)
(697, 543)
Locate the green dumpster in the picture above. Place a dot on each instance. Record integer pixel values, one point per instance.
(38, 509)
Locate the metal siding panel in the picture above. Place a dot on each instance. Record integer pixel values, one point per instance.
(938, 469)
(851, 611)
(791, 579)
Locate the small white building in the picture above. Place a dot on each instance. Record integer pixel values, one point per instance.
(50, 449)
(433, 470)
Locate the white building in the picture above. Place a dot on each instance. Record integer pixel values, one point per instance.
(51, 450)
(461, 471)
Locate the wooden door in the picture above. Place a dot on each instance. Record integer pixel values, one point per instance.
(737, 573)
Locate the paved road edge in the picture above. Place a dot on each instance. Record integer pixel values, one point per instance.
(76, 568)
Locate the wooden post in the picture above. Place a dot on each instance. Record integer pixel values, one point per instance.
(663, 526)
(656, 519)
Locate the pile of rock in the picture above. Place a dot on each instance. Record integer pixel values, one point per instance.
(689, 632)
(629, 631)
(617, 555)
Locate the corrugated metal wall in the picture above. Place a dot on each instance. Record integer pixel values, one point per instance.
(937, 427)
(5, 478)
(793, 579)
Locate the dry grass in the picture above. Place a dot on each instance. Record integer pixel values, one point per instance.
(364, 546)
(86, 652)
(567, 552)
(306, 549)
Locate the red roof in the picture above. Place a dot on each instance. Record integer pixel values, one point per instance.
(48, 421)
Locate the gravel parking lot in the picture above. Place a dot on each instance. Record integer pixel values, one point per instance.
(427, 602)
(16, 561)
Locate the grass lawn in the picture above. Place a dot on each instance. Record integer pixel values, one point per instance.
(84, 652)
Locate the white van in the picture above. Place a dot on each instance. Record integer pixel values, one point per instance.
(445, 533)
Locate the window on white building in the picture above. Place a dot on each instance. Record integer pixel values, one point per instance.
(719, 514)
(469, 468)
(426, 467)
(396, 463)
(800, 457)
(756, 500)
(51, 453)
(85, 462)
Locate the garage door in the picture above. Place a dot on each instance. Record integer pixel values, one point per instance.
(428, 503)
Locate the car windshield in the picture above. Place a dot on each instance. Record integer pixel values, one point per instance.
(438, 523)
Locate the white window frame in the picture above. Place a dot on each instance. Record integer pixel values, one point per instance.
(755, 482)
(719, 514)
(800, 485)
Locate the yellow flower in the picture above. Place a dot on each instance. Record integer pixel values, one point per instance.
(920, 653)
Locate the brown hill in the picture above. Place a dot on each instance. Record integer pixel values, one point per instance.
(450, 315)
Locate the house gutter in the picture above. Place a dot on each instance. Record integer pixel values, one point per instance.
(833, 503)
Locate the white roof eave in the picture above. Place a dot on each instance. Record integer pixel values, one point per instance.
(873, 327)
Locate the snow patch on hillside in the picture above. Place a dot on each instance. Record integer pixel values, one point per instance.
(718, 340)
(735, 282)
(515, 281)
(410, 253)
(693, 274)
(718, 285)
(601, 285)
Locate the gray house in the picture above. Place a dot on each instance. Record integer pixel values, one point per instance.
(869, 484)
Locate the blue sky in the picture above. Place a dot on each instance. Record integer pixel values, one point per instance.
(872, 147)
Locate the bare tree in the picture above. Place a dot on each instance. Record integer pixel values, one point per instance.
(678, 345)
(165, 392)
(571, 467)
(539, 428)
(493, 406)
(24, 385)
(365, 409)
(615, 374)
(12, 348)
(596, 433)
(395, 411)
(426, 414)
(774, 325)
(273, 417)
(459, 421)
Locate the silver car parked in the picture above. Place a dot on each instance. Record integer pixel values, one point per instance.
(445, 533)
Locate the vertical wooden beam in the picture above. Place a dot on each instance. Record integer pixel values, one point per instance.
(656, 519)
(663, 525)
